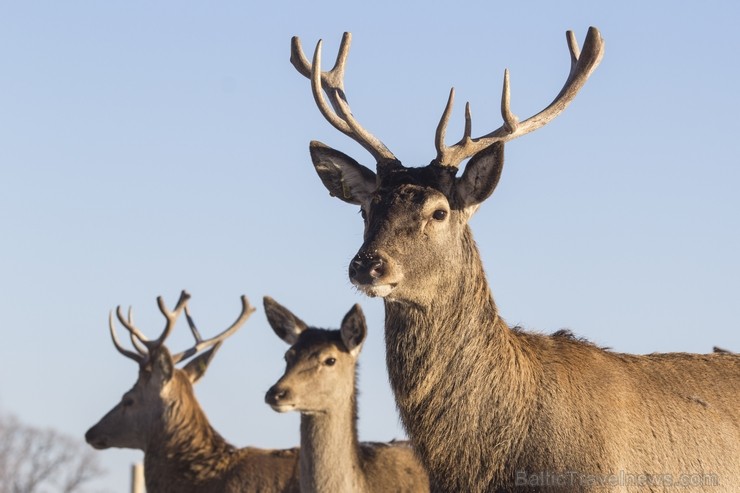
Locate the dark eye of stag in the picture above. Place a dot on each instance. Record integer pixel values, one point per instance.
(128, 402)
(330, 361)
(439, 215)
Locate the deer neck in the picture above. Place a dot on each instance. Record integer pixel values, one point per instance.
(452, 358)
(329, 458)
(186, 452)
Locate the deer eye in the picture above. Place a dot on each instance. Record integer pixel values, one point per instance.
(127, 402)
(439, 215)
(330, 361)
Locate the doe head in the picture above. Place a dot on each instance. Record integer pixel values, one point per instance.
(320, 365)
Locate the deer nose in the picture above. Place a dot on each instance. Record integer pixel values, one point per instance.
(276, 394)
(93, 438)
(90, 436)
(366, 268)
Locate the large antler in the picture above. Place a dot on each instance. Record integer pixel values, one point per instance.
(582, 64)
(201, 344)
(140, 356)
(332, 83)
(144, 346)
(142, 353)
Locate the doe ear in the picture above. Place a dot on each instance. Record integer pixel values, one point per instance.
(480, 177)
(354, 330)
(197, 366)
(286, 325)
(344, 177)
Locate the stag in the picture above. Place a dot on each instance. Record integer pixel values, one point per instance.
(319, 382)
(486, 406)
(161, 416)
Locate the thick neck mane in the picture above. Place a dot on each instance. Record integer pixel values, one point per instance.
(189, 451)
(487, 406)
(435, 352)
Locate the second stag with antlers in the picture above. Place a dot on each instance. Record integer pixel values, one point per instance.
(488, 407)
(161, 416)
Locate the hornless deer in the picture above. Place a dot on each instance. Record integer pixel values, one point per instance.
(161, 416)
(319, 382)
(488, 407)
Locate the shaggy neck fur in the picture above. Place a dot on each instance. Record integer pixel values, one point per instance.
(188, 454)
(484, 404)
(329, 458)
(436, 353)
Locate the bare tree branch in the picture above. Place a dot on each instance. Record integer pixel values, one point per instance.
(33, 460)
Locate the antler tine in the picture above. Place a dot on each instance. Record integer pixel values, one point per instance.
(193, 328)
(298, 59)
(575, 52)
(171, 317)
(196, 335)
(334, 89)
(439, 135)
(331, 83)
(139, 358)
(335, 76)
(511, 122)
(134, 339)
(582, 66)
(130, 327)
(201, 344)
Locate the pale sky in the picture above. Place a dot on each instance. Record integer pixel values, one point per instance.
(147, 148)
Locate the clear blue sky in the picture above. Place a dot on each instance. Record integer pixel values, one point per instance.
(149, 147)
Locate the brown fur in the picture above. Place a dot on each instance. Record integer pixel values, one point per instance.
(489, 408)
(182, 451)
(319, 381)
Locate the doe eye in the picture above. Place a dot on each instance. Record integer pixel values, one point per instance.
(330, 361)
(128, 402)
(439, 215)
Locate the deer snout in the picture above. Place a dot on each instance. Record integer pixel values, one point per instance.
(94, 439)
(366, 268)
(375, 273)
(277, 398)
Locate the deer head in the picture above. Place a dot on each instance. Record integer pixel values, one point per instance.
(416, 218)
(142, 411)
(320, 364)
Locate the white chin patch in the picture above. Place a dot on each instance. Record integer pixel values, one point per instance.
(283, 408)
(381, 290)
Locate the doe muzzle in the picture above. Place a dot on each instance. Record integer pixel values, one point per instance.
(276, 395)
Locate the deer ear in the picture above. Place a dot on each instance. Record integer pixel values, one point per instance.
(480, 177)
(197, 366)
(286, 325)
(162, 364)
(354, 330)
(344, 177)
